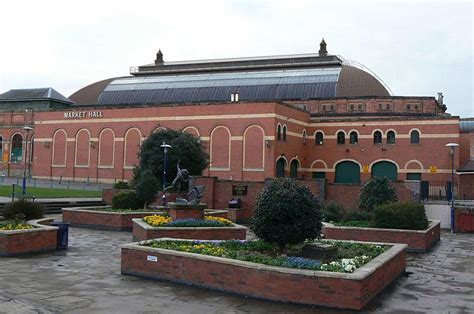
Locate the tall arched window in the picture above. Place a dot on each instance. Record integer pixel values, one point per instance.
(341, 137)
(377, 137)
(280, 167)
(304, 137)
(17, 148)
(390, 137)
(319, 138)
(294, 165)
(284, 132)
(279, 133)
(353, 137)
(1, 147)
(414, 137)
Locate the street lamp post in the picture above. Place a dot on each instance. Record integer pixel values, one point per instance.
(27, 130)
(452, 147)
(165, 152)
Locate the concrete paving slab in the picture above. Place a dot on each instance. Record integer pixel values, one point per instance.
(86, 279)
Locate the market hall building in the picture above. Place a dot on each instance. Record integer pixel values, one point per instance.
(306, 116)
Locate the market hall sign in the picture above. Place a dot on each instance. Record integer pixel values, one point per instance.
(83, 114)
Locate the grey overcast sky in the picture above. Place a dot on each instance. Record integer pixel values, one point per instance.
(416, 48)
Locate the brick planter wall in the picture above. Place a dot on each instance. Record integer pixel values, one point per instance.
(88, 218)
(417, 240)
(341, 290)
(143, 231)
(464, 219)
(43, 238)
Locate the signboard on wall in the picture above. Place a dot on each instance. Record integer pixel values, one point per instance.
(433, 169)
(239, 190)
(5, 158)
(365, 169)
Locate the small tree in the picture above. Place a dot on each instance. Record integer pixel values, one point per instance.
(286, 213)
(185, 148)
(376, 192)
(146, 187)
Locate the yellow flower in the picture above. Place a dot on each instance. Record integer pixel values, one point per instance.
(157, 220)
(219, 219)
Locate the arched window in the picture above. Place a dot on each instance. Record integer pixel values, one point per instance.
(294, 165)
(390, 137)
(280, 168)
(304, 137)
(347, 172)
(414, 137)
(284, 132)
(385, 169)
(341, 137)
(17, 148)
(1, 147)
(353, 137)
(319, 138)
(377, 137)
(279, 133)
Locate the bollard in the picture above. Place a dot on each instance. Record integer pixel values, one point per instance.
(60, 179)
(51, 183)
(13, 192)
(84, 187)
(34, 182)
(68, 184)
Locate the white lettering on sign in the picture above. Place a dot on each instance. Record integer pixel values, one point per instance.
(83, 114)
(152, 258)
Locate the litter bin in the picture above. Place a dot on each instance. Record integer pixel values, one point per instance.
(63, 233)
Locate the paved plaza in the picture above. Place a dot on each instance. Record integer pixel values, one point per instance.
(86, 278)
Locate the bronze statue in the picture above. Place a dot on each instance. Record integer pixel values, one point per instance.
(195, 192)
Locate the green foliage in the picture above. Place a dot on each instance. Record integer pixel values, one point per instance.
(127, 200)
(354, 223)
(332, 212)
(410, 216)
(185, 148)
(121, 185)
(147, 187)
(23, 209)
(286, 213)
(357, 215)
(195, 223)
(376, 192)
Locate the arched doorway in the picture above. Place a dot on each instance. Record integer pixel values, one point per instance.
(280, 168)
(294, 165)
(347, 172)
(385, 169)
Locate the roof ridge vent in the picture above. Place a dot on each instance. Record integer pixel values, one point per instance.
(159, 58)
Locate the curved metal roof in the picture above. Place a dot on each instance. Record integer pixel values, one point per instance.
(466, 125)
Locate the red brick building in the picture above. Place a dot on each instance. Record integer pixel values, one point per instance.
(305, 116)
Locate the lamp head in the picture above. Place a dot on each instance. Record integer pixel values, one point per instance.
(452, 145)
(27, 128)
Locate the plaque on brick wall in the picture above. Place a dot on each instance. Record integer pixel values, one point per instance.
(239, 190)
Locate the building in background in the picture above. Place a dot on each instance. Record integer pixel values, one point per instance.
(304, 116)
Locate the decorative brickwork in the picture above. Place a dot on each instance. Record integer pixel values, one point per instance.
(143, 231)
(417, 240)
(43, 238)
(340, 290)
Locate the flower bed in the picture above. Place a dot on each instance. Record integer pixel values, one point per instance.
(417, 240)
(25, 238)
(241, 267)
(212, 228)
(102, 217)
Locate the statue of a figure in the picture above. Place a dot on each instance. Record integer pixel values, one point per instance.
(195, 192)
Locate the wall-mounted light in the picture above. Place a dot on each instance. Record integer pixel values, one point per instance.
(93, 144)
(47, 144)
(268, 143)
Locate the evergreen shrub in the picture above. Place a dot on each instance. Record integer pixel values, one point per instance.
(409, 215)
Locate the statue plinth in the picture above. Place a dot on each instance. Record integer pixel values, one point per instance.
(186, 211)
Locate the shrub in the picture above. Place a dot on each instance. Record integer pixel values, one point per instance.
(147, 187)
(357, 215)
(23, 209)
(286, 213)
(376, 192)
(332, 212)
(121, 185)
(401, 216)
(127, 200)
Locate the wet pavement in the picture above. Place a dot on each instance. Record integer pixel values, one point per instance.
(86, 279)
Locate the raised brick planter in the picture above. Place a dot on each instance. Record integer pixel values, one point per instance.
(464, 219)
(341, 290)
(90, 217)
(143, 231)
(417, 240)
(43, 238)
(186, 211)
